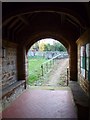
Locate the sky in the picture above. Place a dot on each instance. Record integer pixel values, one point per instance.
(48, 40)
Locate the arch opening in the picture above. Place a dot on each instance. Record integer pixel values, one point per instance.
(46, 34)
(46, 58)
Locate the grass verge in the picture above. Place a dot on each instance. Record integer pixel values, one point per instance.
(34, 69)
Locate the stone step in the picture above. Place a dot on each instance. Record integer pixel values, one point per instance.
(48, 87)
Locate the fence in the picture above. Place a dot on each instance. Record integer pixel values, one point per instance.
(46, 66)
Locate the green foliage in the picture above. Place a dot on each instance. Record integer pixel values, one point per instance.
(59, 47)
(35, 46)
(55, 47)
(47, 47)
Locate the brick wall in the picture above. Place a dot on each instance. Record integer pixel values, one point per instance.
(84, 83)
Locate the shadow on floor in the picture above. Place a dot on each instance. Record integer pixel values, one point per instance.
(83, 112)
(81, 101)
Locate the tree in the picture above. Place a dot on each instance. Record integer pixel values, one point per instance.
(59, 47)
(41, 46)
(55, 47)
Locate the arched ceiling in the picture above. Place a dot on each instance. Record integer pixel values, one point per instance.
(38, 36)
(23, 20)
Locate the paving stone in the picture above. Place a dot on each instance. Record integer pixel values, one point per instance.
(42, 104)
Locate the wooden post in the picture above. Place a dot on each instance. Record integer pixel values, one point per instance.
(50, 64)
(53, 61)
(47, 66)
(67, 76)
(42, 69)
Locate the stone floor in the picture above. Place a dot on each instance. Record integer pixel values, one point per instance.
(42, 103)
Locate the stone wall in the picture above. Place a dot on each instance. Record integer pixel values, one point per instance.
(12, 95)
(85, 84)
(26, 66)
(73, 62)
(0, 73)
(9, 64)
(12, 87)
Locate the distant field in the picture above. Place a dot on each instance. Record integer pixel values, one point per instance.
(34, 69)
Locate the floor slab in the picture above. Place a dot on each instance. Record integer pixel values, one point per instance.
(42, 104)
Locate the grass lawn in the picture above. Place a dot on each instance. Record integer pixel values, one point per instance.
(34, 69)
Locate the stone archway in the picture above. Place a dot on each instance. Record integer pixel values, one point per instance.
(33, 21)
(70, 46)
(30, 22)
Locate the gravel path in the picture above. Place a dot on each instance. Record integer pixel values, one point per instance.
(57, 77)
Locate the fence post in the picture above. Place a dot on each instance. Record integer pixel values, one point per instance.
(53, 61)
(67, 76)
(50, 64)
(42, 69)
(47, 66)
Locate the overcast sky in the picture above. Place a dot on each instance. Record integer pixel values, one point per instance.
(49, 40)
